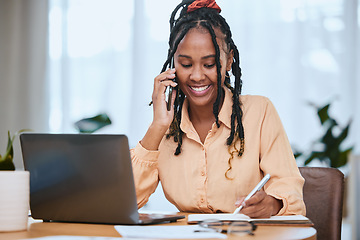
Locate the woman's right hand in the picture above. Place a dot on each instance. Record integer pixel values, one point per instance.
(162, 117)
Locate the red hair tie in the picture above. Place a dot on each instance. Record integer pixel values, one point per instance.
(203, 4)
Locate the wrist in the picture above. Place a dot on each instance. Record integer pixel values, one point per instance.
(153, 137)
(158, 127)
(277, 205)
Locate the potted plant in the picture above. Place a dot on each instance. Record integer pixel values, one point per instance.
(329, 148)
(14, 191)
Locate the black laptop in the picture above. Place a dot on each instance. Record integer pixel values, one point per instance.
(84, 178)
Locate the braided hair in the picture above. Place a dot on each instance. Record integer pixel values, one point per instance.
(209, 19)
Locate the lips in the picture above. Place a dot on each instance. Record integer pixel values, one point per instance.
(200, 89)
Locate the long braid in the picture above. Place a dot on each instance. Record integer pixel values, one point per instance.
(208, 19)
(237, 112)
(216, 107)
(178, 121)
(175, 125)
(175, 129)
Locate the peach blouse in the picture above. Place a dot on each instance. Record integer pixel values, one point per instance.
(194, 181)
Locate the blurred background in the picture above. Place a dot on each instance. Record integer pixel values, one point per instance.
(62, 60)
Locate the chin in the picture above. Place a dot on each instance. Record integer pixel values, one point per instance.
(202, 102)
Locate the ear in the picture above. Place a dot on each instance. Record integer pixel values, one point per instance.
(229, 60)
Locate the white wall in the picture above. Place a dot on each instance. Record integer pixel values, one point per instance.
(23, 54)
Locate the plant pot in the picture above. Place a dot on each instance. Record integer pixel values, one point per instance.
(14, 200)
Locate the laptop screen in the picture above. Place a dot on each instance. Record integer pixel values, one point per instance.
(80, 178)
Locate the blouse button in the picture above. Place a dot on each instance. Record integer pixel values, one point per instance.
(202, 173)
(202, 200)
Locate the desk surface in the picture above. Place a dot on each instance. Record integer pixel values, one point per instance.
(42, 229)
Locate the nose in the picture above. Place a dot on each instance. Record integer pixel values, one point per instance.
(197, 74)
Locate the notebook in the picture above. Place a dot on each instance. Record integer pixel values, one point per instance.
(273, 220)
(84, 178)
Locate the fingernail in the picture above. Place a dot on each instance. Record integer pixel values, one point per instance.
(243, 204)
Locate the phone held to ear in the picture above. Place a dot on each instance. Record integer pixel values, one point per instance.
(168, 106)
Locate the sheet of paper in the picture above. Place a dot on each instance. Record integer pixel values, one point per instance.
(217, 216)
(242, 217)
(66, 237)
(283, 218)
(174, 232)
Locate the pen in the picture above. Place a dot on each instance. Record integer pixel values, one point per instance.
(257, 188)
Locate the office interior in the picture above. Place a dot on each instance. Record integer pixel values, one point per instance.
(64, 60)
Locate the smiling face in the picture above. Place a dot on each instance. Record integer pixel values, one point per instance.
(196, 68)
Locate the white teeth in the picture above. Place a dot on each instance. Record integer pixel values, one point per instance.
(199, 89)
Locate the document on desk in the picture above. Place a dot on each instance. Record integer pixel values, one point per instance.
(274, 220)
(173, 232)
(66, 237)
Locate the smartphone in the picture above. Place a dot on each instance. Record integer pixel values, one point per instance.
(168, 106)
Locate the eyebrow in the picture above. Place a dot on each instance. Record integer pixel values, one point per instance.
(205, 57)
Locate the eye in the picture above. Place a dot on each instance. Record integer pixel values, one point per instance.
(186, 65)
(209, 65)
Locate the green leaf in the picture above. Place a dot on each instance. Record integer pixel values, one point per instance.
(297, 154)
(324, 117)
(314, 155)
(323, 113)
(9, 149)
(342, 158)
(331, 142)
(343, 134)
(90, 125)
(9, 154)
(328, 139)
(6, 161)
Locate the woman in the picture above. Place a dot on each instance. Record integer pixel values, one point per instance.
(214, 145)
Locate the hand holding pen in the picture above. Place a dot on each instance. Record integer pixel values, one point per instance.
(257, 188)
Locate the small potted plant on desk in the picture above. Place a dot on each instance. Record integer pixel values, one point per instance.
(14, 191)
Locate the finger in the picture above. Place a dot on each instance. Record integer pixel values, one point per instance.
(161, 86)
(167, 75)
(263, 208)
(239, 201)
(164, 80)
(249, 209)
(255, 199)
(260, 209)
(256, 211)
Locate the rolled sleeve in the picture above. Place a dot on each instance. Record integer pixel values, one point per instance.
(146, 177)
(277, 159)
(289, 190)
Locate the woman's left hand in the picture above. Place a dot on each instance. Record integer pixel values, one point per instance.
(260, 205)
